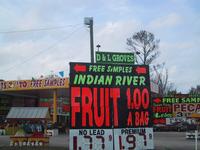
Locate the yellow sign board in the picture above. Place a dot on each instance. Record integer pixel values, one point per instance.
(185, 109)
(195, 115)
(54, 83)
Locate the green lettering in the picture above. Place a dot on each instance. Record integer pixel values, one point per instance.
(96, 79)
(135, 80)
(115, 69)
(183, 100)
(142, 80)
(101, 80)
(108, 80)
(76, 79)
(98, 57)
(193, 100)
(129, 79)
(108, 57)
(90, 79)
(124, 80)
(103, 57)
(81, 79)
(118, 80)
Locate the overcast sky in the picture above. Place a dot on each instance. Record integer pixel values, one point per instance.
(30, 54)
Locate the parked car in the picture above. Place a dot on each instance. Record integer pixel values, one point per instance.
(160, 127)
(179, 126)
(185, 126)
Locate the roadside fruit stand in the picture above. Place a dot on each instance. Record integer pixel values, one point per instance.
(31, 122)
(36, 139)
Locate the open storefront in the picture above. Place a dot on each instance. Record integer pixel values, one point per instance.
(51, 93)
(28, 125)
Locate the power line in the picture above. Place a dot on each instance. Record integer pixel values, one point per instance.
(37, 29)
(40, 52)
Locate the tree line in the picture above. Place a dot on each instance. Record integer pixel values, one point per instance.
(146, 49)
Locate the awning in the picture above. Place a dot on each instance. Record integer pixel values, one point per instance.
(28, 113)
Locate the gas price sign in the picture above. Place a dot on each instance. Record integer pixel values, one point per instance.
(134, 138)
(110, 107)
(85, 139)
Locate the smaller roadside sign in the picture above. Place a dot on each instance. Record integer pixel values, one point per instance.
(19, 85)
(133, 138)
(115, 58)
(185, 109)
(161, 110)
(83, 139)
(179, 106)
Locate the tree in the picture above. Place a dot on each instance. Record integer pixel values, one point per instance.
(195, 91)
(145, 46)
(161, 77)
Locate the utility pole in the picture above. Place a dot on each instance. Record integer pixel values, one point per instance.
(89, 22)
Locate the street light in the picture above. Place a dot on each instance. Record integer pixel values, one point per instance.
(137, 53)
(98, 46)
(89, 22)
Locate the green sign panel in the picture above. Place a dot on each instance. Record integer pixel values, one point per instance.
(172, 100)
(113, 58)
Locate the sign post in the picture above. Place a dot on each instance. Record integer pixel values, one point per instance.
(196, 137)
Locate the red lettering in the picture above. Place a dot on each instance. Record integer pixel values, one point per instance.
(145, 98)
(137, 98)
(175, 107)
(137, 119)
(140, 99)
(99, 119)
(158, 109)
(93, 106)
(107, 107)
(142, 118)
(128, 95)
(115, 94)
(130, 120)
(197, 108)
(75, 92)
(191, 107)
(22, 84)
(183, 107)
(161, 109)
(87, 106)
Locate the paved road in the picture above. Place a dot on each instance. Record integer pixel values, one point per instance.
(173, 141)
(162, 141)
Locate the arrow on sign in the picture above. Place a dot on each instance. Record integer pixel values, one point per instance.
(157, 100)
(80, 68)
(141, 70)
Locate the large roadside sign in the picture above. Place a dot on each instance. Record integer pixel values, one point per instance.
(110, 107)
